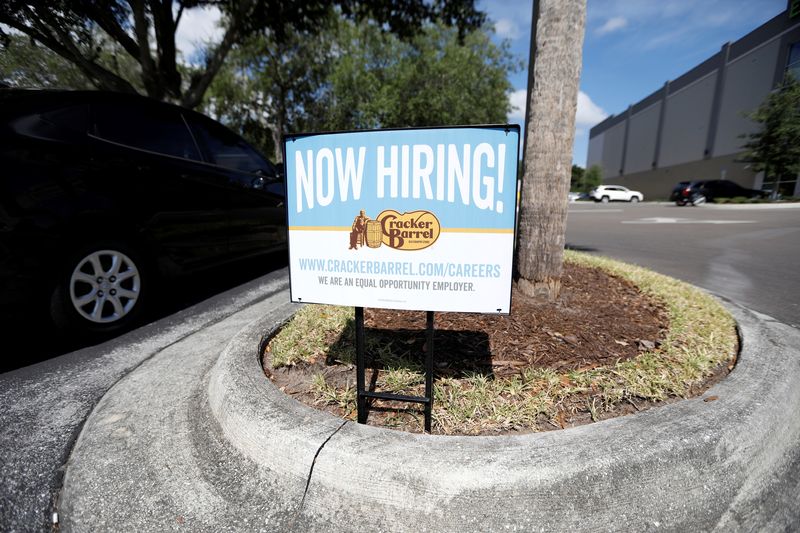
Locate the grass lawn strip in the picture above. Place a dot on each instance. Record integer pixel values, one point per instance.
(701, 337)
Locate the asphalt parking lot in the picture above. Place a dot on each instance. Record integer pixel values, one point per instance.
(749, 254)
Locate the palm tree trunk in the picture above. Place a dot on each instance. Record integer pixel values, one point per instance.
(553, 77)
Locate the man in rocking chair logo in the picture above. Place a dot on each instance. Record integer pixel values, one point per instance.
(358, 233)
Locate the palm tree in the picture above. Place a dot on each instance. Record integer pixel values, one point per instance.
(553, 76)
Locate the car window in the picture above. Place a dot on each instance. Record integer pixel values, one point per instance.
(156, 129)
(228, 150)
(61, 124)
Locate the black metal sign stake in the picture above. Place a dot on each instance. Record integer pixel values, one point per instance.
(429, 373)
(360, 398)
(362, 394)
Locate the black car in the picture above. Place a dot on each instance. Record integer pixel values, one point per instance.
(698, 192)
(100, 193)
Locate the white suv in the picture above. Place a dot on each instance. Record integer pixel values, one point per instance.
(608, 193)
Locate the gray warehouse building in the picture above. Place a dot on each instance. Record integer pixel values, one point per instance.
(691, 128)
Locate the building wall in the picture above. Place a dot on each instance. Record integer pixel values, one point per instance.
(612, 150)
(686, 122)
(642, 139)
(595, 155)
(748, 81)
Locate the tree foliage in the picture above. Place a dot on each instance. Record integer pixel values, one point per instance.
(576, 178)
(27, 64)
(355, 75)
(23, 63)
(145, 31)
(775, 147)
(592, 178)
(379, 81)
(269, 86)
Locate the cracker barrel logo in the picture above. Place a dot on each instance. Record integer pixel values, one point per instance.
(407, 231)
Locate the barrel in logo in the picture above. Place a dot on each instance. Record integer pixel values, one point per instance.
(374, 234)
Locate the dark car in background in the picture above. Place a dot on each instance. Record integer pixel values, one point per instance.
(698, 192)
(103, 193)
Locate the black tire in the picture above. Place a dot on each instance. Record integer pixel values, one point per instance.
(605, 199)
(634, 200)
(680, 203)
(114, 299)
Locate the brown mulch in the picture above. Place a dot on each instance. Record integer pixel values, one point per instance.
(598, 321)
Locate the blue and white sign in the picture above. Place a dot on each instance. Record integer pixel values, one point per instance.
(419, 219)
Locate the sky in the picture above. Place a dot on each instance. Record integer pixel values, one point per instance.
(631, 47)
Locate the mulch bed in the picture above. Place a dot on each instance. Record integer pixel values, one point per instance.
(598, 321)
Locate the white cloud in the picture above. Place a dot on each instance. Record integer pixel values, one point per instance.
(198, 25)
(507, 29)
(588, 113)
(613, 24)
(519, 101)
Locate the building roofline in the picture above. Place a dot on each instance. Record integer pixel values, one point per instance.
(772, 28)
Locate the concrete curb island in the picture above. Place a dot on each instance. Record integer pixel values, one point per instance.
(239, 454)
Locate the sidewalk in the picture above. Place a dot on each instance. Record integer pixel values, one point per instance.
(45, 405)
(197, 439)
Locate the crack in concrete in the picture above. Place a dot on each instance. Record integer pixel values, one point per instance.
(311, 474)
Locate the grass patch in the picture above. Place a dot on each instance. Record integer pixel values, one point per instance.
(701, 336)
(344, 398)
(312, 333)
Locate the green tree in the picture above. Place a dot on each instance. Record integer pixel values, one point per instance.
(775, 147)
(25, 63)
(268, 87)
(576, 179)
(553, 75)
(378, 80)
(592, 178)
(145, 31)
(355, 75)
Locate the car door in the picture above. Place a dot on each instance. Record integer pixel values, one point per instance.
(732, 190)
(258, 215)
(713, 189)
(613, 193)
(146, 155)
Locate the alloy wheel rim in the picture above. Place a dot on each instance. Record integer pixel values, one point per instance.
(105, 286)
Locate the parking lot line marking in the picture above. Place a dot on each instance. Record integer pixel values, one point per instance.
(667, 220)
(590, 210)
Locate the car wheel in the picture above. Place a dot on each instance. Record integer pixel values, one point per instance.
(634, 199)
(101, 290)
(698, 199)
(604, 199)
(680, 203)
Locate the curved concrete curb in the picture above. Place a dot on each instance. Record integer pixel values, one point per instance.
(729, 464)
